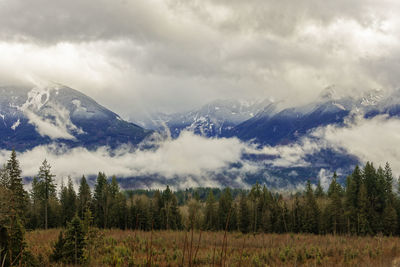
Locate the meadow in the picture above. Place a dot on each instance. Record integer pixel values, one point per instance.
(180, 248)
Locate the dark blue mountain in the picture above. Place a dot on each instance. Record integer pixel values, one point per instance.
(42, 115)
(288, 125)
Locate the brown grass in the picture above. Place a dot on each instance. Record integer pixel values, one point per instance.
(122, 248)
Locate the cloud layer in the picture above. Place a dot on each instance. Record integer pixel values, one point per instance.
(190, 156)
(192, 160)
(173, 55)
(373, 140)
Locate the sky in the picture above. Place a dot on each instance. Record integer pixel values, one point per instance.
(145, 56)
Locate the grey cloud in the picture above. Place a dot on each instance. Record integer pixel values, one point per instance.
(284, 17)
(174, 55)
(86, 20)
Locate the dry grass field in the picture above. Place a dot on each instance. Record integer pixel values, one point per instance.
(130, 248)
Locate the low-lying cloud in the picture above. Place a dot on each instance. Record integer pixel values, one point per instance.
(374, 139)
(192, 160)
(186, 157)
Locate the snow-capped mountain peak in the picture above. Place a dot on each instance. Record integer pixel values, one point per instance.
(211, 120)
(39, 115)
(372, 98)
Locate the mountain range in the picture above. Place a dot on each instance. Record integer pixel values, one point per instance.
(30, 117)
(271, 123)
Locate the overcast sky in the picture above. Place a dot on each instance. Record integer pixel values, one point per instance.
(136, 56)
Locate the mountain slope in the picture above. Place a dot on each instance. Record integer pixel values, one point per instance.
(41, 115)
(211, 120)
(288, 125)
(280, 127)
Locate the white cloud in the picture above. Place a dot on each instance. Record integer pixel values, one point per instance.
(190, 157)
(292, 155)
(373, 139)
(47, 128)
(50, 119)
(325, 177)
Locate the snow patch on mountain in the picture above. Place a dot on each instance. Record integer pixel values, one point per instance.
(16, 124)
(4, 119)
(340, 106)
(49, 118)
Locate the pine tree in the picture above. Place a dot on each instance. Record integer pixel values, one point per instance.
(335, 208)
(234, 218)
(372, 181)
(119, 211)
(16, 241)
(398, 186)
(210, 214)
(353, 184)
(334, 186)
(71, 201)
(157, 211)
(84, 197)
(254, 196)
(311, 211)
(381, 190)
(116, 202)
(166, 208)
(351, 205)
(5, 221)
(143, 218)
(176, 222)
(389, 184)
(101, 200)
(19, 196)
(64, 204)
(244, 215)
(74, 242)
(224, 208)
(47, 188)
(297, 217)
(319, 191)
(87, 221)
(362, 215)
(58, 249)
(389, 218)
(284, 217)
(357, 179)
(4, 177)
(267, 220)
(3, 242)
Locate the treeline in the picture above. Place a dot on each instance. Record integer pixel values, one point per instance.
(198, 193)
(367, 204)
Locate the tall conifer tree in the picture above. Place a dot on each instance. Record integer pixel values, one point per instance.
(47, 188)
(84, 197)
